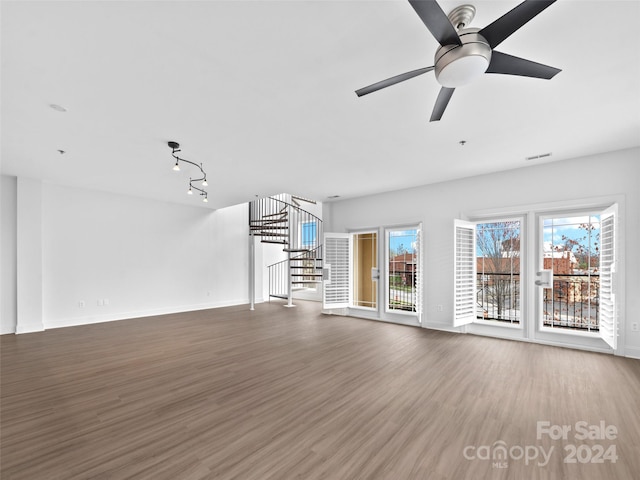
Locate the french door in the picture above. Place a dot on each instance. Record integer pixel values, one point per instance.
(353, 277)
(570, 283)
(350, 271)
(576, 273)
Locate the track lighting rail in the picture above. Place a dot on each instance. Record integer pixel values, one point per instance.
(175, 148)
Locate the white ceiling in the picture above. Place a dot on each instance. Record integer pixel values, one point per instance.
(262, 93)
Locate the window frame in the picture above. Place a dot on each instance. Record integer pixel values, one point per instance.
(609, 335)
(354, 234)
(418, 288)
(522, 237)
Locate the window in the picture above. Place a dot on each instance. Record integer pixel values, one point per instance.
(403, 248)
(498, 271)
(309, 230)
(487, 272)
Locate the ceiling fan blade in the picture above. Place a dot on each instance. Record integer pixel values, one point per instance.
(510, 65)
(499, 30)
(436, 21)
(392, 81)
(441, 103)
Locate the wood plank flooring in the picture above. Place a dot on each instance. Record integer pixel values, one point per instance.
(292, 394)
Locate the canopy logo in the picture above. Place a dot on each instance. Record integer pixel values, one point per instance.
(500, 454)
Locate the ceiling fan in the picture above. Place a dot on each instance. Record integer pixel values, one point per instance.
(466, 53)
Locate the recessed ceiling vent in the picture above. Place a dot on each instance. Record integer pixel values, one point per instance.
(538, 157)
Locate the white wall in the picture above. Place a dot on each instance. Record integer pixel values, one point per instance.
(606, 175)
(8, 275)
(29, 255)
(144, 257)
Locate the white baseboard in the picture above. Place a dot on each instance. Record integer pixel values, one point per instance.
(632, 352)
(30, 329)
(444, 327)
(112, 317)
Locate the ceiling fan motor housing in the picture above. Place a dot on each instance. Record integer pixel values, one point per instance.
(457, 65)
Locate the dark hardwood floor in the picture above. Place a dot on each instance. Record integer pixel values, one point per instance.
(291, 394)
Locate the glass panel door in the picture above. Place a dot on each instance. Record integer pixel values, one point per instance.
(570, 247)
(498, 271)
(403, 264)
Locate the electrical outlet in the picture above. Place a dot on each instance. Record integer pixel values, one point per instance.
(439, 308)
(81, 304)
(635, 327)
(105, 302)
(100, 302)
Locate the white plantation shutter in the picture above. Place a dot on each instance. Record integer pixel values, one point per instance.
(419, 276)
(337, 270)
(608, 320)
(465, 273)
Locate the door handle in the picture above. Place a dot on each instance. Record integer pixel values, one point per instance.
(546, 278)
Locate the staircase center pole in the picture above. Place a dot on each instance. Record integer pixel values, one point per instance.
(289, 280)
(290, 218)
(252, 269)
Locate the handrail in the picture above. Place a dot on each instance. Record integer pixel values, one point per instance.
(299, 209)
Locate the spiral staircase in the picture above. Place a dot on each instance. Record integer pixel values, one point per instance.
(281, 220)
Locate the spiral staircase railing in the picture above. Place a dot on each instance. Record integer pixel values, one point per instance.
(280, 219)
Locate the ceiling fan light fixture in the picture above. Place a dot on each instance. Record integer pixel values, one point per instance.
(462, 71)
(456, 66)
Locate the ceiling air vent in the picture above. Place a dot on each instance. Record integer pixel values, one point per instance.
(537, 157)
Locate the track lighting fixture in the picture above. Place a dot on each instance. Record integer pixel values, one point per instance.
(175, 148)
